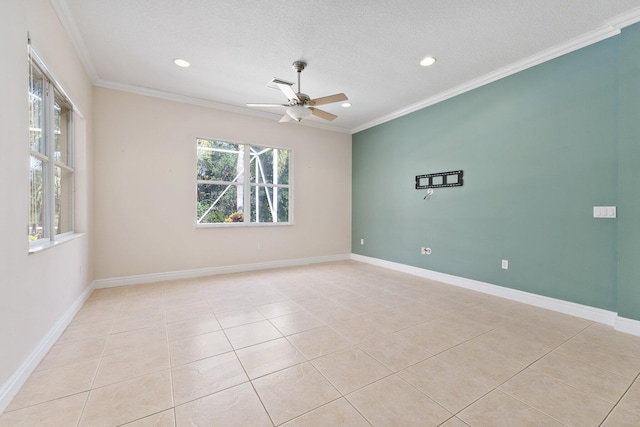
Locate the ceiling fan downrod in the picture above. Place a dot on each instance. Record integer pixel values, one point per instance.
(299, 66)
(300, 105)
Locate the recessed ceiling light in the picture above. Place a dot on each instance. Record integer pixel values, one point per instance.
(427, 61)
(346, 104)
(181, 63)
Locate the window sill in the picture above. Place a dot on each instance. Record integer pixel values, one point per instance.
(50, 244)
(242, 224)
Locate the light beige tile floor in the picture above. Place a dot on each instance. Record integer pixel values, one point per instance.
(336, 344)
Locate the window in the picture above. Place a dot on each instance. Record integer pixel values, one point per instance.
(238, 183)
(51, 159)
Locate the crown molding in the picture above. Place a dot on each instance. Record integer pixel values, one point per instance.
(61, 9)
(69, 24)
(611, 27)
(170, 96)
(624, 20)
(544, 56)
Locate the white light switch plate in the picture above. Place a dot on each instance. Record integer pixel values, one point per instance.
(604, 212)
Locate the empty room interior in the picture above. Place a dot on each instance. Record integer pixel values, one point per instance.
(357, 213)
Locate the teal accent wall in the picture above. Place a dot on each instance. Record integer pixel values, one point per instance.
(629, 177)
(538, 149)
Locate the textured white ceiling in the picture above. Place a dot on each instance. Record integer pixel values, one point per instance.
(368, 49)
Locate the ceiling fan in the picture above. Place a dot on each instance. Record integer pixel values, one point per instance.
(300, 105)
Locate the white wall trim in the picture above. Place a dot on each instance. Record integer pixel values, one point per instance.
(610, 28)
(599, 315)
(629, 326)
(69, 24)
(624, 20)
(199, 102)
(212, 271)
(11, 387)
(572, 45)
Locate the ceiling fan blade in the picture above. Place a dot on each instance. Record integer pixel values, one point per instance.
(288, 92)
(328, 99)
(322, 114)
(253, 104)
(285, 118)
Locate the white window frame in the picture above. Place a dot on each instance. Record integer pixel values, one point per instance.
(49, 159)
(247, 186)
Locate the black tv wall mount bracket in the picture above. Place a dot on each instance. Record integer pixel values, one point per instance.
(439, 180)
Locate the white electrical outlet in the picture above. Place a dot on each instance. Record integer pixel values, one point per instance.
(362, 241)
(505, 264)
(425, 251)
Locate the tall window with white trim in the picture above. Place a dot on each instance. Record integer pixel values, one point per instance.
(51, 195)
(242, 184)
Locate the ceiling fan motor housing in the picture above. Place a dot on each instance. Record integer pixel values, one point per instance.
(304, 99)
(299, 65)
(300, 104)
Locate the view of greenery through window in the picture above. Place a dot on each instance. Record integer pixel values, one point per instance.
(51, 163)
(233, 176)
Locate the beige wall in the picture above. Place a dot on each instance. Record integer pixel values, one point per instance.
(135, 191)
(145, 189)
(35, 290)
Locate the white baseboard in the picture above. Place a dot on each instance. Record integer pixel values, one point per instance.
(20, 376)
(11, 387)
(599, 315)
(202, 272)
(629, 326)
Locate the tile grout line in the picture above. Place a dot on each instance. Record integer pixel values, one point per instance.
(95, 374)
(496, 388)
(620, 399)
(250, 381)
(353, 344)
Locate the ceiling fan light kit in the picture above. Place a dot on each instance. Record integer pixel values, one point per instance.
(300, 105)
(298, 112)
